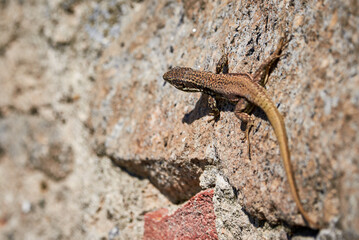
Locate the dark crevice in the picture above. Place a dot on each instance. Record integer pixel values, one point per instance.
(174, 179)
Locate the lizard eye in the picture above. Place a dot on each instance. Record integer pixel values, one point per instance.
(181, 85)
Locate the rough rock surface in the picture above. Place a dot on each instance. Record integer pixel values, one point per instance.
(82, 93)
(52, 184)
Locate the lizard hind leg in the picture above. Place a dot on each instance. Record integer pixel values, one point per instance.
(241, 114)
(261, 75)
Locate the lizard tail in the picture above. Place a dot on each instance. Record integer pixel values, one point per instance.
(278, 125)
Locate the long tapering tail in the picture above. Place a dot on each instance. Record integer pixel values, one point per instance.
(277, 122)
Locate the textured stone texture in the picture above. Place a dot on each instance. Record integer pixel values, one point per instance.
(81, 88)
(194, 220)
(52, 184)
(232, 222)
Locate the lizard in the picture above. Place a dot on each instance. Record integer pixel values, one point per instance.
(245, 91)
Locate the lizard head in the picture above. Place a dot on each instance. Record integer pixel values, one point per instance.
(180, 78)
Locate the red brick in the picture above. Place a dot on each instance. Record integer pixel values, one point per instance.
(194, 220)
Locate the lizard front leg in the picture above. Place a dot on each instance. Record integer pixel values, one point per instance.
(221, 68)
(222, 64)
(212, 103)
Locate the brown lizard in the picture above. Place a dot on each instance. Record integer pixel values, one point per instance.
(242, 89)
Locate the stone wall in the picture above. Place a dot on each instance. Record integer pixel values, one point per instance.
(92, 139)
